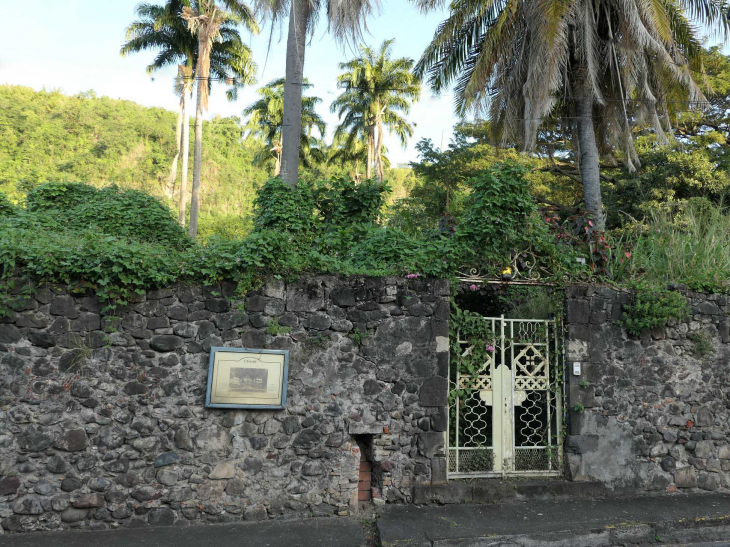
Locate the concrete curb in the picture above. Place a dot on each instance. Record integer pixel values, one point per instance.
(690, 530)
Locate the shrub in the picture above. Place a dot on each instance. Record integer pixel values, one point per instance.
(6, 208)
(111, 210)
(59, 195)
(343, 202)
(279, 207)
(652, 307)
(497, 212)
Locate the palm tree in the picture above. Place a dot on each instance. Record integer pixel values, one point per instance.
(163, 28)
(266, 117)
(347, 150)
(207, 19)
(520, 61)
(346, 19)
(377, 90)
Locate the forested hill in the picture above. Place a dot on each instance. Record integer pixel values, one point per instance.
(48, 136)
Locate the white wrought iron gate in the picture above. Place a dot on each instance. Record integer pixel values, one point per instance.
(505, 417)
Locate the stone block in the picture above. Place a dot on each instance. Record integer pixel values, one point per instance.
(577, 311)
(434, 392)
(430, 443)
(73, 514)
(72, 440)
(439, 468)
(306, 295)
(255, 513)
(223, 470)
(685, 477)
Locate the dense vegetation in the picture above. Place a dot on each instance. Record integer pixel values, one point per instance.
(471, 205)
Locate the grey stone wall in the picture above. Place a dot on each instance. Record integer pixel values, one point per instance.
(102, 420)
(657, 406)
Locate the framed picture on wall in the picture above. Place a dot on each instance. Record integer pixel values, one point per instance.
(247, 378)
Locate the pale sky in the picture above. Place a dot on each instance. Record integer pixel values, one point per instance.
(73, 46)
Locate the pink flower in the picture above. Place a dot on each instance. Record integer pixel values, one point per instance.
(413, 276)
(474, 287)
(628, 254)
(490, 348)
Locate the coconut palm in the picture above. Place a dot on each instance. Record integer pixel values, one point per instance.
(345, 19)
(162, 28)
(207, 20)
(265, 119)
(378, 90)
(520, 61)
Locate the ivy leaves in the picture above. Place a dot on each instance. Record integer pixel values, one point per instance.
(653, 306)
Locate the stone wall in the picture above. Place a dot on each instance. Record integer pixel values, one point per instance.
(102, 420)
(656, 407)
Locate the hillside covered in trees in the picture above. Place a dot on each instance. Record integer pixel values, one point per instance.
(46, 136)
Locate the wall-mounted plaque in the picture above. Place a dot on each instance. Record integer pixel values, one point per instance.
(247, 378)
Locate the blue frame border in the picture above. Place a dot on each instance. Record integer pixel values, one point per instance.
(211, 365)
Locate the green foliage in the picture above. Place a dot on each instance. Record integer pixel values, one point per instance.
(342, 202)
(358, 337)
(499, 217)
(702, 343)
(6, 208)
(652, 307)
(61, 196)
(687, 245)
(47, 136)
(111, 210)
(275, 329)
(280, 207)
(525, 302)
(473, 329)
(670, 176)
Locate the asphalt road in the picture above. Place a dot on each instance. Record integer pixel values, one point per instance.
(316, 532)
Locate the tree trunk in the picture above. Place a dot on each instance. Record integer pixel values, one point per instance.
(292, 126)
(369, 166)
(589, 159)
(178, 142)
(379, 152)
(203, 73)
(187, 89)
(277, 165)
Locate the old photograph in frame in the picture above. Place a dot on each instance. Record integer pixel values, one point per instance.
(247, 378)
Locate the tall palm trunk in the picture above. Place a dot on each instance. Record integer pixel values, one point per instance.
(187, 91)
(589, 158)
(379, 152)
(371, 150)
(178, 142)
(203, 73)
(291, 130)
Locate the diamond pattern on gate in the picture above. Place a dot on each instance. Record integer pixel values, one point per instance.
(531, 369)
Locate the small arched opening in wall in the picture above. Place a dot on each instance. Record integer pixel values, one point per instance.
(369, 487)
(506, 403)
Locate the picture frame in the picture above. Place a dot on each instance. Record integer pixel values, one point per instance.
(247, 378)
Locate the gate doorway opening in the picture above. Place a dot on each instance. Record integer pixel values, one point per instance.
(506, 398)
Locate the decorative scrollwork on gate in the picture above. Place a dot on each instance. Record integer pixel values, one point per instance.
(524, 266)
